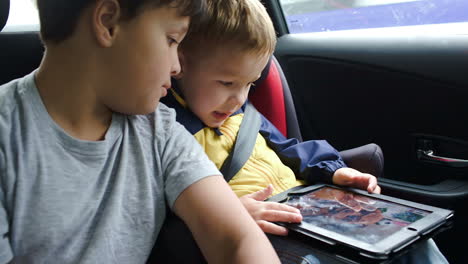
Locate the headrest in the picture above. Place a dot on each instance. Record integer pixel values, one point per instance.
(268, 96)
(4, 11)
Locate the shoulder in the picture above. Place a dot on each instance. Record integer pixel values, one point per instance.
(8, 97)
(11, 97)
(157, 125)
(165, 116)
(164, 122)
(183, 115)
(9, 100)
(14, 92)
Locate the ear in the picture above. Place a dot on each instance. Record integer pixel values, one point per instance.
(183, 64)
(106, 17)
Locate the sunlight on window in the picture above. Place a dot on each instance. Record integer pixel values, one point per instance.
(303, 16)
(23, 16)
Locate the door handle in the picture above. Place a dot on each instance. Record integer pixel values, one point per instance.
(428, 155)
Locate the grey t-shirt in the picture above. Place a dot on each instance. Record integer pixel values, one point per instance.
(64, 200)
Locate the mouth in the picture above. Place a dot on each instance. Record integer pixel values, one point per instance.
(165, 89)
(164, 92)
(220, 116)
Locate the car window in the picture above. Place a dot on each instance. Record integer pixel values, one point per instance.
(303, 16)
(23, 16)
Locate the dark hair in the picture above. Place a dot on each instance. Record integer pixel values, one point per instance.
(59, 17)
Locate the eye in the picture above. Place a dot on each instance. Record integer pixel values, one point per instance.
(227, 84)
(171, 41)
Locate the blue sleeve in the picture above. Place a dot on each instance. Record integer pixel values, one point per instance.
(5, 250)
(313, 160)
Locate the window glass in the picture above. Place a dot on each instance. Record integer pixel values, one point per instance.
(23, 16)
(331, 15)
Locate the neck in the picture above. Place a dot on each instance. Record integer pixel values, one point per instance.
(67, 83)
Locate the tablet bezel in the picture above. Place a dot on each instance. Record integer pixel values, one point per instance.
(382, 249)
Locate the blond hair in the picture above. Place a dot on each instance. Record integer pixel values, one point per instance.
(243, 24)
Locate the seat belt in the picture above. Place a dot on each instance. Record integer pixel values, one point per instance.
(245, 142)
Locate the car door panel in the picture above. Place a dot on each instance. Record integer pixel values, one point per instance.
(407, 94)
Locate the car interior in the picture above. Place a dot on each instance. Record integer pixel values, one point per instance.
(405, 93)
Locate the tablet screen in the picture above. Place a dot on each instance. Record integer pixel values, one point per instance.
(361, 217)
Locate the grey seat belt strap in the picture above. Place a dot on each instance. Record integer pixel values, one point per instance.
(245, 142)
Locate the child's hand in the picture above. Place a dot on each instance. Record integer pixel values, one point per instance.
(265, 212)
(354, 178)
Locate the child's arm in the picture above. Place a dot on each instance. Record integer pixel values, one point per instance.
(316, 160)
(220, 224)
(313, 160)
(266, 212)
(354, 178)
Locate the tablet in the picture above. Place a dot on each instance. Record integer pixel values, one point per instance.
(375, 225)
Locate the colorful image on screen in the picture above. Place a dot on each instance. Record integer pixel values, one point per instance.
(360, 217)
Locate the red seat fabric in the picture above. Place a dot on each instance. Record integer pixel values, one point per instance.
(268, 98)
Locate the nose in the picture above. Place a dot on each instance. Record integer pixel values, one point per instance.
(175, 65)
(235, 101)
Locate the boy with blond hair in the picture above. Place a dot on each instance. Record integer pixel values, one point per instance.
(217, 70)
(220, 59)
(88, 159)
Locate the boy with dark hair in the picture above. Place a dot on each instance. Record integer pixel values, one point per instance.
(88, 159)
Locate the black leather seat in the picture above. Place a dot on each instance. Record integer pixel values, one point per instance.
(4, 12)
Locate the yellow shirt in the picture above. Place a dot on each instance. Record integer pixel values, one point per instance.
(264, 167)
